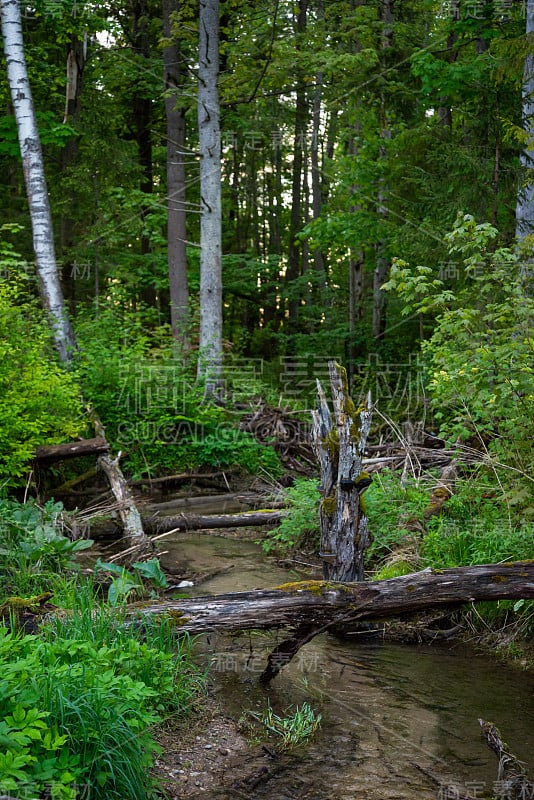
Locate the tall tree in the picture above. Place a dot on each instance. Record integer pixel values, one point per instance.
(525, 199)
(176, 179)
(209, 127)
(32, 163)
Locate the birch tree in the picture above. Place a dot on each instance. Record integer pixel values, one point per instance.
(43, 243)
(210, 357)
(32, 164)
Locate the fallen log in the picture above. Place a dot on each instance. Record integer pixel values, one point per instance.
(325, 603)
(61, 452)
(312, 607)
(155, 525)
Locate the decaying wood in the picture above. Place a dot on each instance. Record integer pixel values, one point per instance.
(511, 771)
(339, 444)
(240, 498)
(185, 477)
(165, 524)
(282, 427)
(127, 510)
(61, 452)
(443, 490)
(132, 525)
(319, 603)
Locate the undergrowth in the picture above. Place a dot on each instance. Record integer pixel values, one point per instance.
(79, 702)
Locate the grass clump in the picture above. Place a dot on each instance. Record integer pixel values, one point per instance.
(293, 728)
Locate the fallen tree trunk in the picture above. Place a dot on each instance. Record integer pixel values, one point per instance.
(60, 452)
(323, 604)
(157, 525)
(131, 519)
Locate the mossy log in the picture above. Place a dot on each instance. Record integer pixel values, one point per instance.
(323, 604)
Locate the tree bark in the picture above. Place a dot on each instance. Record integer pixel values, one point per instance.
(324, 603)
(344, 531)
(182, 522)
(210, 356)
(32, 164)
(525, 197)
(60, 452)
(128, 511)
(176, 181)
(511, 773)
(294, 258)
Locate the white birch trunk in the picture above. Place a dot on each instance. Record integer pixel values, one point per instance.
(525, 197)
(210, 357)
(32, 163)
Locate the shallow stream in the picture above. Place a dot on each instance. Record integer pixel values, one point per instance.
(399, 722)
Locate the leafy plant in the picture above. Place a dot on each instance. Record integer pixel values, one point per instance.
(302, 521)
(34, 554)
(40, 403)
(78, 703)
(151, 403)
(480, 354)
(131, 582)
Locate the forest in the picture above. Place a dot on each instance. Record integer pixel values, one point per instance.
(205, 209)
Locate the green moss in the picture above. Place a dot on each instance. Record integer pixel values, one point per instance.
(177, 617)
(331, 443)
(329, 504)
(316, 587)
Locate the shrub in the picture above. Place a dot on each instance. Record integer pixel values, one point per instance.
(40, 403)
(34, 554)
(302, 520)
(152, 405)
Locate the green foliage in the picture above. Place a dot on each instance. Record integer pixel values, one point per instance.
(480, 354)
(302, 521)
(78, 703)
(151, 404)
(34, 554)
(40, 403)
(389, 506)
(293, 728)
(132, 582)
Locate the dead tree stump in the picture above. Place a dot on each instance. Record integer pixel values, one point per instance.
(339, 445)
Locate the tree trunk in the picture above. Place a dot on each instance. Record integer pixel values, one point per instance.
(322, 603)
(128, 512)
(344, 531)
(181, 522)
(60, 452)
(32, 164)
(382, 257)
(176, 181)
(210, 356)
(525, 197)
(294, 258)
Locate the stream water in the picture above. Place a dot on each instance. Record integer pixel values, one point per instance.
(399, 722)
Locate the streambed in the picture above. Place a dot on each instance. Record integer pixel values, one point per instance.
(398, 721)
